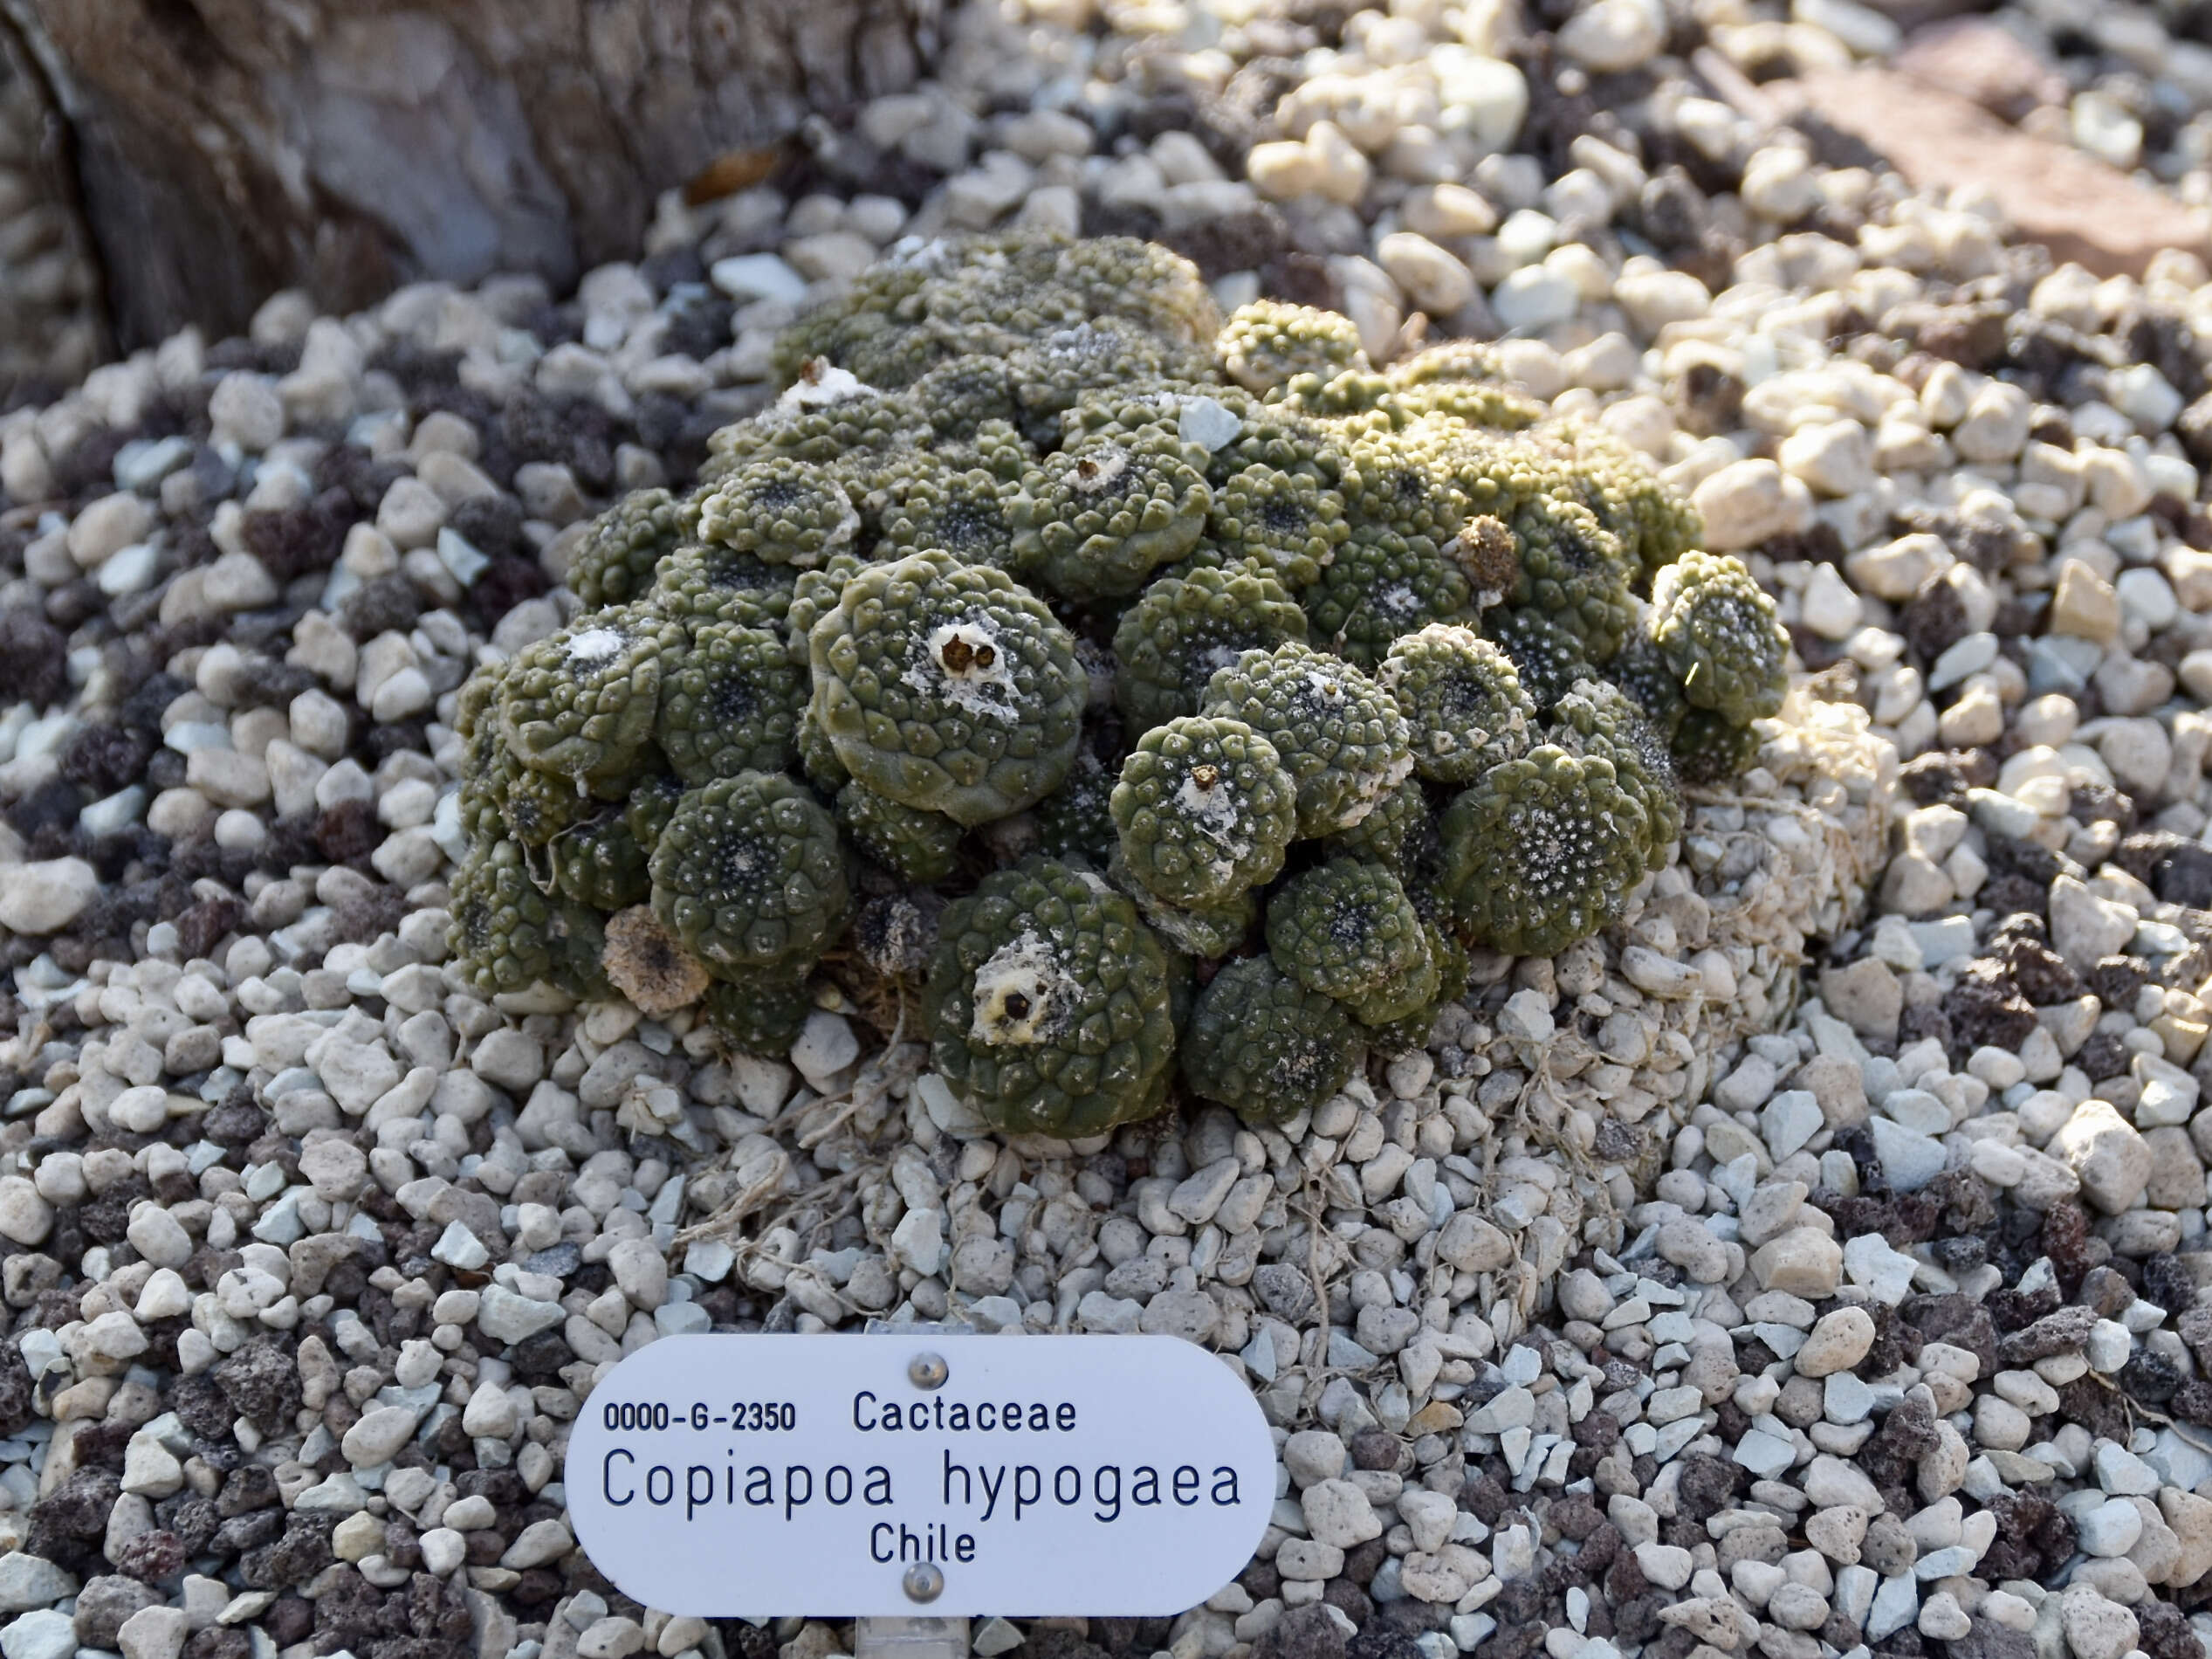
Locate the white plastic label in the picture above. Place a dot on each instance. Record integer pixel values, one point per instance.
(726, 1476)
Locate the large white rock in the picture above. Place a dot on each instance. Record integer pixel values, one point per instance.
(1614, 35)
(28, 1581)
(1746, 502)
(506, 1316)
(1338, 1512)
(1433, 276)
(379, 1436)
(154, 1633)
(43, 1634)
(2108, 1157)
(45, 895)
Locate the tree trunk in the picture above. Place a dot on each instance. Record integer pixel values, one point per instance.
(224, 150)
(52, 327)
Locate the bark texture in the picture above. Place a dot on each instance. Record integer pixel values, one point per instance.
(52, 327)
(224, 150)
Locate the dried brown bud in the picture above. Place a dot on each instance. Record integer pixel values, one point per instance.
(644, 963)
(1486, 551)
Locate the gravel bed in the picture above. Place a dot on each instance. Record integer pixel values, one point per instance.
(1813, 1264)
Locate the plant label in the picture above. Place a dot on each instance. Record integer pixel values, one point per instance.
(851, 1475)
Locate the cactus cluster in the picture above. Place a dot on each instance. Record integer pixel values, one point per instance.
(1229, 688)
